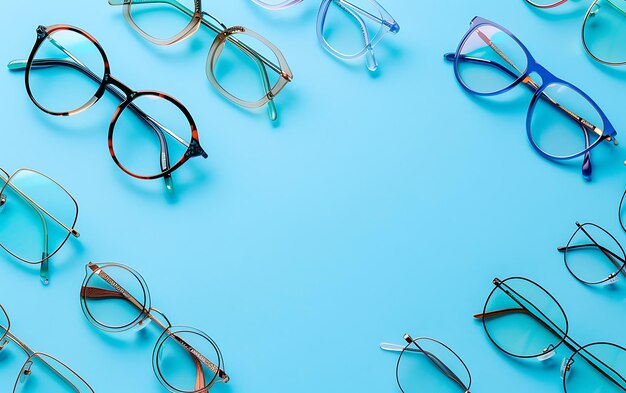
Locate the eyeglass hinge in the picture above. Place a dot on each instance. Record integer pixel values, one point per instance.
(41, 32)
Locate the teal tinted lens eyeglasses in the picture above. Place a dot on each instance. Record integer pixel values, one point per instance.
(37, 217)
(115, 298)
(525, 321)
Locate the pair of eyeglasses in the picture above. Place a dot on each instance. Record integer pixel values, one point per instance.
(151, 134)
(348, 29)
(40, 372)
(563, 122)
(594, 256)
(428, 365)
(603, 29)
(115, 298)
(525, 321)
(37, 216)
(238, 56)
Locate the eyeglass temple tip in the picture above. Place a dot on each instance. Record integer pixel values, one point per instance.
(18, 64)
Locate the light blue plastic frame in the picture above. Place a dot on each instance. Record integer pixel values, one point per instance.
(548, 79)
(387, 21)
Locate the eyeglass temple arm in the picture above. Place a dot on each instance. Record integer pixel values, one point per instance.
(349, 9)
(586, 167)
(530, 81)
(99, 293)
(432, 357)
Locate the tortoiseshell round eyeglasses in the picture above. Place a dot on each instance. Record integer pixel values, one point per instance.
(236, 60)
(40, 372)
(37, 216)
(115, 298)
(151, 134)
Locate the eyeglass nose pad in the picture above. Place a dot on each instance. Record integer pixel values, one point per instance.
(3, 199)
(613, 278)
(25, 371)
(548, 353)
(566, 366)
(143, 323)
(595, 9)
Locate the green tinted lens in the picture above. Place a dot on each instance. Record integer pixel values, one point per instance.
(33, 216)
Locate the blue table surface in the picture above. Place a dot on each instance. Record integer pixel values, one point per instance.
(380, 204)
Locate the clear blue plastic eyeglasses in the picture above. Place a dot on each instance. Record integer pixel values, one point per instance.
(351, 29)
(562, 122)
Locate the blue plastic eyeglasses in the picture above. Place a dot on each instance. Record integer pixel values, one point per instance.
(351, 29)
(562, 122)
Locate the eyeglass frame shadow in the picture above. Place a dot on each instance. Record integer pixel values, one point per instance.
(145, 313)
(9, 336)
(562, 336)
(387, 21)
(119, 90)
(43, 272)
(547, 79)
(611, 256)
(431, 357)
(223, 34)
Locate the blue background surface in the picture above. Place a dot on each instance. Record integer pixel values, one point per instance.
(379, 205)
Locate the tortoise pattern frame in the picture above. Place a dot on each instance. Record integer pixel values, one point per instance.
(124, 93)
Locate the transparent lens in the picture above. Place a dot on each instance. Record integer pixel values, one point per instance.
(117, 302)
(162, 20)
(428, 366)
(554, 124)
(351, 25)
(27, 229)
(593, 255)
(490, 60)
(66, 73)
(43, 373)
(176, 366)
(523, 319)
(150, 136)
(604, 31)
(598, 368)
(238, 70)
